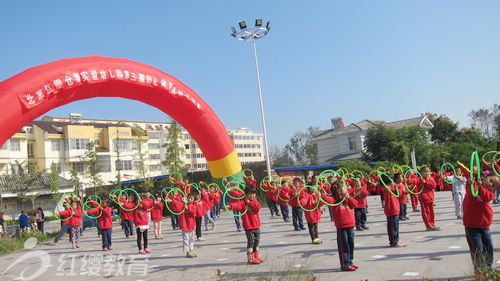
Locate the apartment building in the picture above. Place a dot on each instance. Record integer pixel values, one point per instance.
(63, 140)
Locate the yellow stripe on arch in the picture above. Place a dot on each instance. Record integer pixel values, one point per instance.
(227, 166)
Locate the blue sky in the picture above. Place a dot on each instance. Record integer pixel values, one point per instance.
(384, 60)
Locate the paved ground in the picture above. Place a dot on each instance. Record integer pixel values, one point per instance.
(437, 255)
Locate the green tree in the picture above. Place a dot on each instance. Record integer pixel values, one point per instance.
(280, 157)
(54, 182)
(146, 183)
(444, 130)
(173, 149)
(377, 138)
(26, 181)
(92, 168)
(301, 147)
(75, 180)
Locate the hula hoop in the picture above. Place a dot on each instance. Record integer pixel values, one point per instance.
(172, 176)
(478, 176)
(263, 181)
(245, 176)
(236, 186)
(493, 163)
(396, 170)
(56, 214)
(384, 169)
(346, 171)
(185, 204)
(360, 186)
(358, 171)
(320, 183)
(410, 190)
(90, 216)
(216, 186)
(137, 196)
(225, 204)
(345, 185)
(288, 184)
(405, 166)
(298, 199)
(382, 181)
(112, 194)
(484, 155)
(454, 172)
(97, 197)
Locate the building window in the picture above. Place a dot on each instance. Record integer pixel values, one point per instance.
(78, 167)
(55, 145)
(153, 145)
(186, 146)
(31, 152)
(124, 165)
(154, 156)
(124, 144)
(15, 145)
(188, 156)
(79, 144)
(352, 143)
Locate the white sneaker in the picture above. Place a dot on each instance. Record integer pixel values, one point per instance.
(200, 239)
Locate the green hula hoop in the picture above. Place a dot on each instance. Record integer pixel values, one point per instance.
(410, 190)
(185, 204)
(265, 179)
(484, 155)
(474, 156)
(325, 181)
(298, 199)
(56, 214)
(164, 192)
(395, 170)
(137, 196)
(97, 197)
(382, 181)
(493, 163)
(244, 175)
(405, 167)
(360, 186)
(172, 175)
(345, 185)
(225, 204)
(384, 169)
(233, 187)
(444, 178)
(111, 194)
(216, 186)
(85, 210)
(279, 190)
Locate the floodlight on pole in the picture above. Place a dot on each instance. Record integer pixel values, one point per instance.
(251, 34)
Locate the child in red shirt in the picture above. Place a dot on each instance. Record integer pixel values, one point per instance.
(343, 215)
(105, 222)
(187, 220)
(477, 219)
(312, 205)
(283, 198)
(141, 222)
(74, 223)
(426, 198)
(359, 193)
(157, 216)
(392, 207)
(251, 223)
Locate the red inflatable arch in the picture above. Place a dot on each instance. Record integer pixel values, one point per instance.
(37, 90)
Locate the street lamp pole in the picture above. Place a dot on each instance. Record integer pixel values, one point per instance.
(252, 34)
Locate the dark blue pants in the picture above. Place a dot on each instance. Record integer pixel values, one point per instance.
(64, 229)
(273, 207)
(106, 237)
(345, 245)
(360, 215)
(331, 214)
(393, 229)
(480, 245)
(284, 212)
(297, 217)
(175, 221)
(128, 226)
(237, 220)
(402, 212)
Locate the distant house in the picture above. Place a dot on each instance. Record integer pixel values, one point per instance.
(347, 142)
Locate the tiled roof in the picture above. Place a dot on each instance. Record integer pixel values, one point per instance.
(52, 127)
(10, 182)
(364, 125)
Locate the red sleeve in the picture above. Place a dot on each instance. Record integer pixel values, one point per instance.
(239, 206)
(351, 202)
(253, 206)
